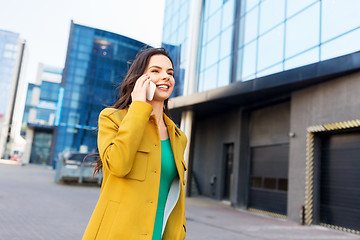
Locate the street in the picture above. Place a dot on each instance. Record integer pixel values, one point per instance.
(34, 207)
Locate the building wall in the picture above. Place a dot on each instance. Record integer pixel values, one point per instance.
(208, 156)
(334, 101)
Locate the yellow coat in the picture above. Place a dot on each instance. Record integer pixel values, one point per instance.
(129, 147)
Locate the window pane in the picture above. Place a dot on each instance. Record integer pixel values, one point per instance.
(271, 48)
(210, 77)
(344, 45)
(339, 17)
(251, 25)
(303, 59)
(214, 5)
(248, 60)
(212, 52)
(271, 14)
(294, 6)
(224, 72)
(302, 31)
(226, 43)
(251, 3)
(270, 183)
(228, 14)
(214, 25)
(271, 70)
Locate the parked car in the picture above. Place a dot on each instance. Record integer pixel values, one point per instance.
(75, 166)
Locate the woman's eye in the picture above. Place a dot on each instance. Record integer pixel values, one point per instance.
(171, 74)
(155, 71)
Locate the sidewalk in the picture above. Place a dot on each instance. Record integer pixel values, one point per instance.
(33, 207)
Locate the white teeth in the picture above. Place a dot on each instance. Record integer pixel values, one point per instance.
(163, 86)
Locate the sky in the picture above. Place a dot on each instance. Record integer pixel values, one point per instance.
(45, 24)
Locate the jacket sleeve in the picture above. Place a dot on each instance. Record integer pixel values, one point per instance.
(119, 141)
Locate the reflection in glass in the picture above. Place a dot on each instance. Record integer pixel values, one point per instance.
(294, 7)
(251, 3)
(228, 14)
(248, 60)
(214, 25)
(210, 77)
(226, 43)
(272, 13)
(251, 25)
(212, 52)
(339, 17)
(303, 59)
(271, 48)
(302, 31)
(224, 72)
(271, 70)
(343, 45)
(214, 5)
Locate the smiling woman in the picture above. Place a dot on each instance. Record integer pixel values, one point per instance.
(142, 159)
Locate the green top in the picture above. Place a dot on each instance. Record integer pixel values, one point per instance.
(168, 173)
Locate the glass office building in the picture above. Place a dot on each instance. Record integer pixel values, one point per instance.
(39, 114)
(12, 59)
(245, 39)
(96, 63)
(274, 105)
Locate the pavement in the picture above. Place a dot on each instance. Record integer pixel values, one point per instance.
(34, 207)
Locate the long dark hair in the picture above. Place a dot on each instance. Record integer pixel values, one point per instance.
(136, 69)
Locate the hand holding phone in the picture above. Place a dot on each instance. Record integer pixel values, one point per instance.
(150, 91)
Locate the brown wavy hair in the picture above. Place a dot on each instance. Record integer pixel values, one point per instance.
(136, 69)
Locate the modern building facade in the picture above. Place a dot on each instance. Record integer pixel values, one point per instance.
(40, 108)
(96, 63)
(13, 86)
(270, 106)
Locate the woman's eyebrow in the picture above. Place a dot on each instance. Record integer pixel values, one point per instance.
(154, 66)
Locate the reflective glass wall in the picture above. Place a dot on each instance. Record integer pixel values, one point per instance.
(97, 61)
(175, 38)
(279, 35)
(9, 52)
(216, 44)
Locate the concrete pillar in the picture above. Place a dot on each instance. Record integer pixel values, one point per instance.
(190, 82)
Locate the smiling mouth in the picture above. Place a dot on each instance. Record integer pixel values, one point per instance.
(163, 86)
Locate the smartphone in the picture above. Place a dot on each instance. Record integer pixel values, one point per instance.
(150, 91)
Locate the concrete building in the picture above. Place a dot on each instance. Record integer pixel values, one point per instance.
(40, 108)
(271, 105)
(13, 87)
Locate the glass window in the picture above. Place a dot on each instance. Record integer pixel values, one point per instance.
(339, 17)
(224, 72)
(302, 31)
(343, 45)
(271, 70)
(271, 48)
(248, 61)
(212, 52)
(294, 7)
(250, 4)
(214, 25)
(203, 58)
(214, 5)
(251, 25)
(271, 14)
(226, 43)
(201, 82)
(210, 77)
(228, 14)
(303, 59)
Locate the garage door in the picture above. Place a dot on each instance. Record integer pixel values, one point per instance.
(269, 178)
(340, 180)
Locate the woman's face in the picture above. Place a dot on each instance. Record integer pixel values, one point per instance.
(161, 72)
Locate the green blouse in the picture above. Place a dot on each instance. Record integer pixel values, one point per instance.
(168, 173)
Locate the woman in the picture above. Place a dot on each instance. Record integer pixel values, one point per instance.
(141, 152)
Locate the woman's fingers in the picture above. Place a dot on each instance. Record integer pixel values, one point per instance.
(139, 91)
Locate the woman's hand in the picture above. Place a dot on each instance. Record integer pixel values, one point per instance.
(139, 91)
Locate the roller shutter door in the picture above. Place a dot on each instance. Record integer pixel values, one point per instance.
(269, 178)
(340, 180)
